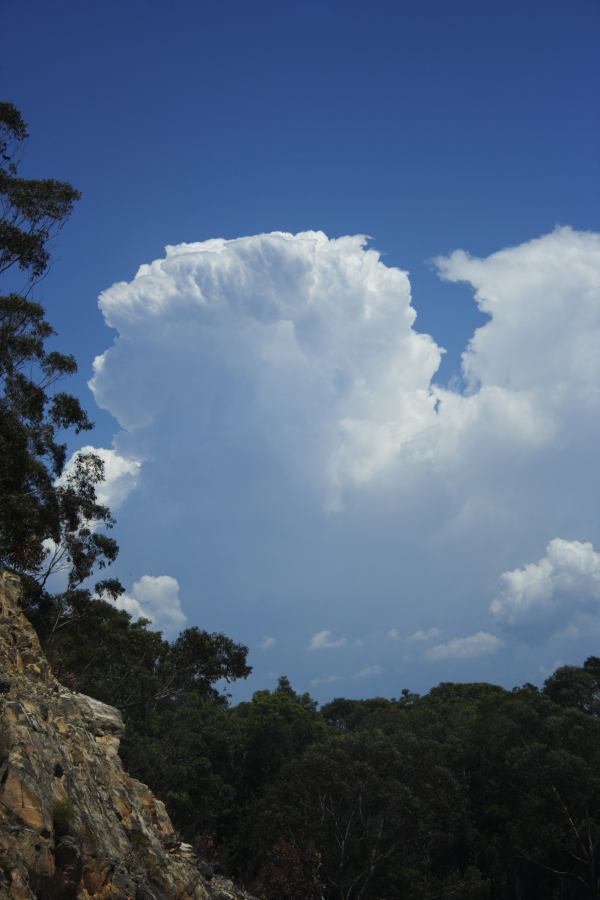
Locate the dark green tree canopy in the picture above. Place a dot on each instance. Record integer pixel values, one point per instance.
(49, 518)
(32, 210)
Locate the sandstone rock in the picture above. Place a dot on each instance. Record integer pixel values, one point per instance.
(73, 824)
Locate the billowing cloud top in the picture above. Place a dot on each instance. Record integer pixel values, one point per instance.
(552, 592)
(543, 301)
(318, 331)
(262, 379)
(317, 337)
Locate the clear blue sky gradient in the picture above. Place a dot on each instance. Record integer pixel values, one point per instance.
(426, 125)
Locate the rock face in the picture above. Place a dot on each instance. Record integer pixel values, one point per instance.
(73, 824)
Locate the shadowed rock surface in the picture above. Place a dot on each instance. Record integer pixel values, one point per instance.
(73, 823)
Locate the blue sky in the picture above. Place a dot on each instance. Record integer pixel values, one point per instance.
(429, 127)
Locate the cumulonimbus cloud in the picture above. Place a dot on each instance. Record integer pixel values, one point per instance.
(320, 331)
(282, 372)
(318, 338)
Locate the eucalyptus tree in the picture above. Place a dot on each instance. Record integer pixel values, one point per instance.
(50, 516)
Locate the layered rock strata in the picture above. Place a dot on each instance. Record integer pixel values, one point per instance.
(73, 823)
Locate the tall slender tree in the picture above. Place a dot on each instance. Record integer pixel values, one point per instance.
(50, 516)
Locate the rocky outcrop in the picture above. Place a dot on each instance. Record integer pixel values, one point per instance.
(73, 824)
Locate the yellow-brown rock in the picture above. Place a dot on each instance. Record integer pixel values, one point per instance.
(73, 824)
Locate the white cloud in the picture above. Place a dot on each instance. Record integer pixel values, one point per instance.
(265, 378)
(121, 475)
(324, 640)
(369, 671)
(327, 679)
(323, 322)
(428, 635)
(155, 597)
(306, 346)
(132, 606)
(267, 642)
(542, 597)
(533, 369)
(420, 635)
(471, 647)
(545, 318)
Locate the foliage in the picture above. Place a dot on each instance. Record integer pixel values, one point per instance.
(470, 791)
(49, 517)
(375, 810)
(32, 210)
(571, 686)
(62, 814)
(98, 650)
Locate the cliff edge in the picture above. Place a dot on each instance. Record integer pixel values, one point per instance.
(73, 823)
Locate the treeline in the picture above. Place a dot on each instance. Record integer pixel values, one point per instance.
(470, 791)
